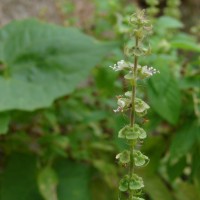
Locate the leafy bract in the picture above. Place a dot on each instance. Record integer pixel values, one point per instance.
(42, 62)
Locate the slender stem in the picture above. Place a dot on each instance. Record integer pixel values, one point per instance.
(132, 114)
(134, 71)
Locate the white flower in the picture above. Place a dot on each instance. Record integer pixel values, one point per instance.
(120, 66)
(149, 71)
(146, 72)
(118, 110)
(123, 104)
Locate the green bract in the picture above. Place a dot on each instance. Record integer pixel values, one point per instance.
(138, 19)
(140, 159)
(124, 184)
(124, 157)
(132, 133)
(140, 106)
(135, 182)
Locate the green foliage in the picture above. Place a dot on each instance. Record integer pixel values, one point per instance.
(19, 178)
(76, 177)
(184, 139)
(43, 62)
(67, 150)
(4, 122)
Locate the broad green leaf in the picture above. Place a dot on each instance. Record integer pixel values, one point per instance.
(166, 22)
(4, 122)
(19, 179)
(176, 170)
(155, 188)
(161, 63)
(74, 180)
(185, 37)
(163, 91)
(183, 141)
(186, 45)
(186, 42)
(154, 185)
(47, 181)
(167, 105)
(43, 62)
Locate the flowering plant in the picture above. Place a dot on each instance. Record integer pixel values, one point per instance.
(131, 184)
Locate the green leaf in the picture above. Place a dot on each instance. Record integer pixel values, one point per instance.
(186, 45)
(43, 62)
(176, 170)
(73, 180)
(166, 22)
(19, 179)
(47, 181)
(156, 189)
(4, 123)
(167, 105)
(164, 93)
(183, 141)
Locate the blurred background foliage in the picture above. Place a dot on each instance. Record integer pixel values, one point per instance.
(58, 132)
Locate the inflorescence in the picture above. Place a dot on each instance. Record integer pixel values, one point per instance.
(131, 185)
